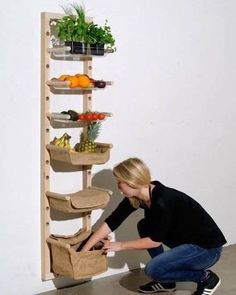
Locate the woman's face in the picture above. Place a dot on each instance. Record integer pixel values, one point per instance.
(127, 190)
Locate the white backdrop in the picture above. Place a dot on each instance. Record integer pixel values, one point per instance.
(173, 103)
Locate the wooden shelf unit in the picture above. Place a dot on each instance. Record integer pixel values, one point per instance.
(47, 54)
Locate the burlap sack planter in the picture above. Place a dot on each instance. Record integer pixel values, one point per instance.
(101, 155)
(66, 261)
(82, 201)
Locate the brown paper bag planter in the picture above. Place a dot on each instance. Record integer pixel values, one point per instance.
(66, 261)
(101, 156)
(82, 201)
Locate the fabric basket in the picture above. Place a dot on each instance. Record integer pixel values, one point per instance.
(67, 260)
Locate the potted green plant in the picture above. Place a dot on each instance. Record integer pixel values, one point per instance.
(99, 37)
(82, 36)
(72, 29)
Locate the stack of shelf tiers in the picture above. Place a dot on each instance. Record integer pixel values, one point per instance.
(72, 157)
(61, 254)
(82, 201)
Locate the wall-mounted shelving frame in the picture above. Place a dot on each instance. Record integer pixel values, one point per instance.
(47, 55)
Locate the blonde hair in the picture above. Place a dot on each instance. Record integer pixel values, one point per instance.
(135, 173)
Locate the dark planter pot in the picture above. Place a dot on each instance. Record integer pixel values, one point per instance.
(97, 49)
(77, 47)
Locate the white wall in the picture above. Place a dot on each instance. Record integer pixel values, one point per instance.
(173, 103)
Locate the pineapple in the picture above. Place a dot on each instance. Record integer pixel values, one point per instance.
(87, 144)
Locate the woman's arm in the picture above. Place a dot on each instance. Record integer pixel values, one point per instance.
(122, 211)
(139, 244)
(101, 233)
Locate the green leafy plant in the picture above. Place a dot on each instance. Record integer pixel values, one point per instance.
(73, 26)
(101, 35)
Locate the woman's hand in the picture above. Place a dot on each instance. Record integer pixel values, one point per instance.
(97, 236)
(139, 244)
(112, 246)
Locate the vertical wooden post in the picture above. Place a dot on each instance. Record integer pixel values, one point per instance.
(87, 179)
(45, 138)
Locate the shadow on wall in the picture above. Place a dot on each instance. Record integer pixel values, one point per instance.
(126, 231)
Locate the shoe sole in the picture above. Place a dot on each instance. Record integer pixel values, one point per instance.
(211, 291)
(151, 292)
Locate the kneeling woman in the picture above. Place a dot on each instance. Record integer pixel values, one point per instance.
(171, 218)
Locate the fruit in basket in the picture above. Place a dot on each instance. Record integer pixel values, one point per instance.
(74, 81)
(82, 117)
(63, 77)
(63, 141)
(78, 75)
(101, 116)
(79, 80)
(99, 84)
(84, 81)
(67, 142)
(91, 116)
(87, 143)
(88, 116)
(94, 116)
(85, 75)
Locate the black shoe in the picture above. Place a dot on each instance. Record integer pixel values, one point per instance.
(154, 287)
(209, 286)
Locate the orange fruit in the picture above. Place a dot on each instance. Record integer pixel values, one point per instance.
(74, 81)
(84, 81)
(63, 77)
(78, 75)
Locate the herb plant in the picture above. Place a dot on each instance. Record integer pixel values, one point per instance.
(74, 27)
(101, 35)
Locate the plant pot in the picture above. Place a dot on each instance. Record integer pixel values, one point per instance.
(97, 49)
(77, 47)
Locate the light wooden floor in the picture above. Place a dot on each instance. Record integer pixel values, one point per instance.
(127, 283)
